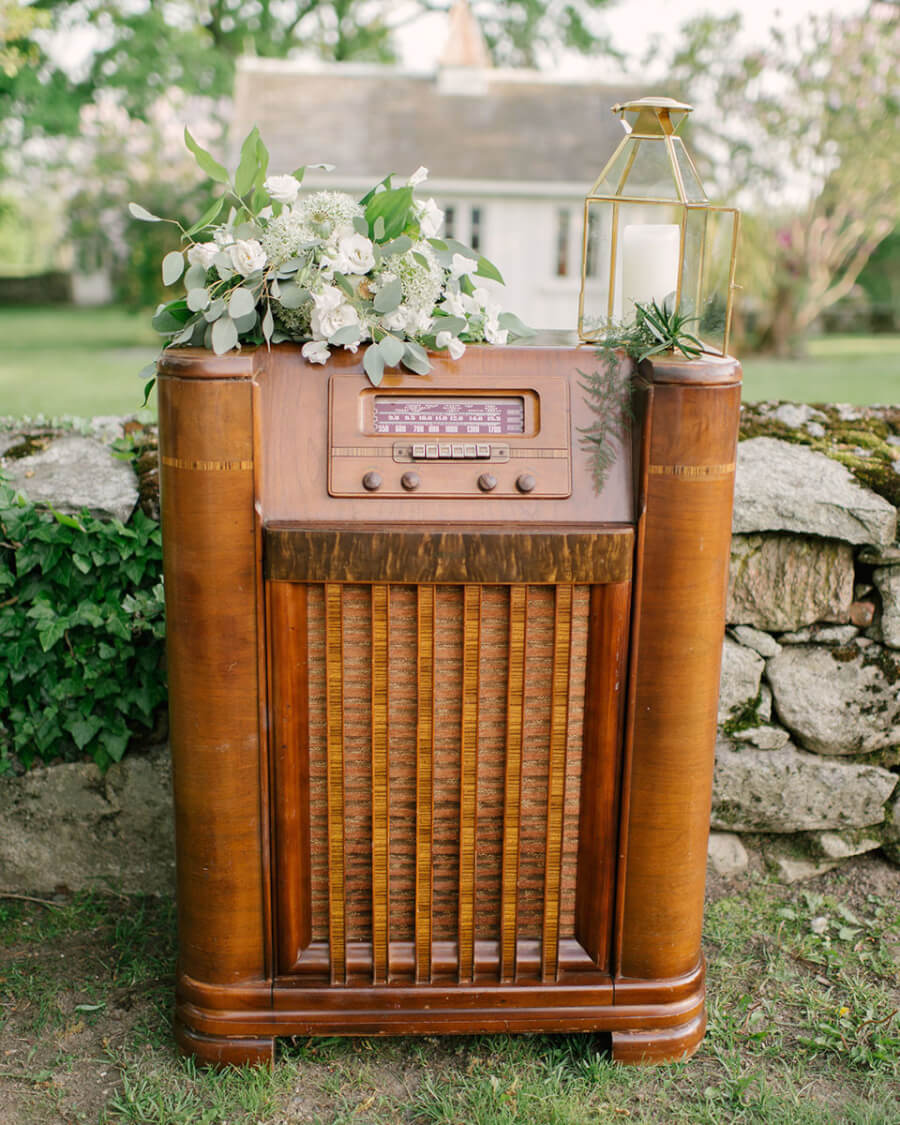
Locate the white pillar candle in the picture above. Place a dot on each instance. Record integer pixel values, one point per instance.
(649, 263)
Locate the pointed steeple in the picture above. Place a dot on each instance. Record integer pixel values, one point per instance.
(465, 46)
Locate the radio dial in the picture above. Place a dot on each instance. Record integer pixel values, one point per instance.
(410, 481)
(526, 483)
(487, 482)
(372, 481)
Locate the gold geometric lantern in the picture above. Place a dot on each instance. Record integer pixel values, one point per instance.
(651, 234)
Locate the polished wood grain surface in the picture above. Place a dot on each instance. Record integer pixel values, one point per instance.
(362, 553)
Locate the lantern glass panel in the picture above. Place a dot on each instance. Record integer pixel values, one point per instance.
(693, 189)
(715, 282)
(649, 173)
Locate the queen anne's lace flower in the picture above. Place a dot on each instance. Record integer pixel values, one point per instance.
(421, 283)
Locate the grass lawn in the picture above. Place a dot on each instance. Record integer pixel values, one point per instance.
(803, 998)
(85, 361)
(66, 360)
(860, 369)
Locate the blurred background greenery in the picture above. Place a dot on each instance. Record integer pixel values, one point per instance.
(94, 95)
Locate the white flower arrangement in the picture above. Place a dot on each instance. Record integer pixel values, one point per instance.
(326, 270)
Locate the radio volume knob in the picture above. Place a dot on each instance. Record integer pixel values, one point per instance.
(526, 483)
(487, 482)
(410, 481)
(371, 481)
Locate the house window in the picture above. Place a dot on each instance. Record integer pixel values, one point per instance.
(563, 223)
(450, 221)
(475, 233)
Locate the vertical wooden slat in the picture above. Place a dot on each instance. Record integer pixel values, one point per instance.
(380, 822)
(512, 789)
(556, 781)
(334, 704)
(424, 782)
(468, 780)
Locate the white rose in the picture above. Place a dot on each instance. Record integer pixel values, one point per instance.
(459, 264)
(316, 351)
(493, 333)
(330, 314)
(202, 254)
(397, 319)
(418, 177)
(430, 217)
(282, 189)
(247, 256)
(452, 343)
(355, 254)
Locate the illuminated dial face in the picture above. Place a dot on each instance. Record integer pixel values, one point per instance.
(402, 414)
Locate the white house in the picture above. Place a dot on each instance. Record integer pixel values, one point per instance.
(510, 153)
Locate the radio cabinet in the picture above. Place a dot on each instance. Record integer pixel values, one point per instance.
(442, 714)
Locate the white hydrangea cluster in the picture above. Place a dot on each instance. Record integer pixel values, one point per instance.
(313, 218)
(421, 283)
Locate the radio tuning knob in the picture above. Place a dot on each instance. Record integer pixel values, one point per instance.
(526, 483)
(372, 481)
(487, 482)
(410, 481)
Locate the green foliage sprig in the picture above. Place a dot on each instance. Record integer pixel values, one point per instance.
(655, 329)
(81, 628)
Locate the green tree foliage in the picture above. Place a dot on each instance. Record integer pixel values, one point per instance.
(804, 139)
(141, 48)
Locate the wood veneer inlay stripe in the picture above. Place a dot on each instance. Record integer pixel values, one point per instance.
(425, 782)
(334, 704)
(380, 802)
(512, 794)
(556, 781)
(468, 779)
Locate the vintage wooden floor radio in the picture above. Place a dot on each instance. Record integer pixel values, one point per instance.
(442, 715)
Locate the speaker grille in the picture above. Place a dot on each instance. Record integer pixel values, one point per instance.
(445, 731)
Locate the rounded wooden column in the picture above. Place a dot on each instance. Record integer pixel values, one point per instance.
(210, 566)
(681, 580)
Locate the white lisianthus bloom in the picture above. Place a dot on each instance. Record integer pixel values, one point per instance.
(418, 177)
(247, 256)
(316, 351)
(223, 237)
(486, 301)
(282, 189)
(420, 323)
(354, 254)
(430, 217)
(459, 304)
(452, 343)
(493, 333)
(202, 254)
(459, 264)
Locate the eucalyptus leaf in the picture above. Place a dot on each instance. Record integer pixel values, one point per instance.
(139, 212)
(166, 322)
(397, 246)
(195, 277)
(224, 335)
(148, 371)
(292, 296)
(207, 164)
(208, 216)
(421, 259)
(197, 299)
(224, 268)
(373, 363)
(279, 337)
(349, 334)
(452, 324)
(247, 322)
(215, 310)
(392, 349)
(241, 303)
(268, 324)
(185, 336)
(247, 230)
(360, 226)
(290, 266)
(416, 359)
(172, 267)
(378, 228)
(388, 297)
(344, 284)
(487, 268)
(514, 326)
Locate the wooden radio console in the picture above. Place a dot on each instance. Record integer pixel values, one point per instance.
(442, 711)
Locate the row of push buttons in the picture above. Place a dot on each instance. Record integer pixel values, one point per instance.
(470, 450)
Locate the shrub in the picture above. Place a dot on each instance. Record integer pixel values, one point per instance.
(81, 632)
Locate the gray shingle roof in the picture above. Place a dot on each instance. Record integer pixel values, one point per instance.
(371, 120)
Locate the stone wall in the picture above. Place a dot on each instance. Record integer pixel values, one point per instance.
(809, 747)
